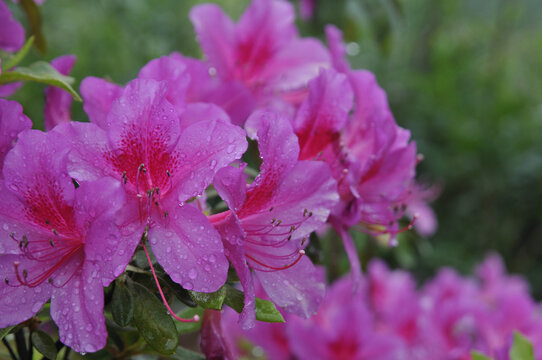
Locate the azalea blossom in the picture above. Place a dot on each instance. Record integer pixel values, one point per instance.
(163, 159)
(262, 51)
(56, 241)
(11, 31)
(269, 221)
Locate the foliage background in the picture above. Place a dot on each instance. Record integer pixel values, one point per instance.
(464, 75)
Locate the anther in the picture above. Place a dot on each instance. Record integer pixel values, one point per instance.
(292, 228)
(278, 223)
(271, 208)
(51, 243)
(310, 214)
(7, 281)
(124, 177)
(25, 274)
(54, 232)
(273, 220)
(305, 212)
(47, 221)
(75, 183)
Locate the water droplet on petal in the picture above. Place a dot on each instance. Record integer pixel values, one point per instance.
(193, 273)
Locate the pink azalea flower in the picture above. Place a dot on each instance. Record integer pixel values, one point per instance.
(58, 101)
(163, 159)
(12, 122)
(262, 51)
(57, 241)
(11, 31)
(269, 221)
(307, 8)
(343, 328)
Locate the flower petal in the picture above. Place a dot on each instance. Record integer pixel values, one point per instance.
(204, 148)
(232, 238)
(230, 183)
(299, 290)
(98, 96)
(12, 122)
(172, 70)
(189, 249)
(324, 113)
(18, 303)
(77, 309)
(11, 32)
(216, 34)
(337, 49)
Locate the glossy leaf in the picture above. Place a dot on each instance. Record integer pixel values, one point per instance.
(185, 354)
(210, 300)
(41, 72)
(122, 305)
(479, 356)
(153, 321)
(265, 310)
(522, 349)
(44, 344)
(188, 327)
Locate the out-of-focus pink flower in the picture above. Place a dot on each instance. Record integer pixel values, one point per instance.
(262, 51)
(163, 159)
(11, 31)
(269, 220)
(57, 240)
(12, 122)
(418, 209)
(57, 100)
(307, 8)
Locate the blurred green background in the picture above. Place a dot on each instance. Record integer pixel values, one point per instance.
(464, 75)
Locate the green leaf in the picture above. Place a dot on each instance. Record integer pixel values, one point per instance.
(180, 293)
(20, 55)
(32, 12)
(185, 354)
(188, 327)
(152, 320)
(210, 300)
(44, 344)
(41, 72)
(479, 356)
(522, 349)
(265, 310)
(122, 304)
(5, 331)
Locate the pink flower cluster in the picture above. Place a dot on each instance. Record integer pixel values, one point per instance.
(390, 319)
(79, 199)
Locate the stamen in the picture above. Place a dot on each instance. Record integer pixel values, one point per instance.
(172, 313)
(300, 255)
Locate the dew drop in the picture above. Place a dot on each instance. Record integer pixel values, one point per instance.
(193, 273)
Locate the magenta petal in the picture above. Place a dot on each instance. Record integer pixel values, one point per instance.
(12, 122)
(337, 49)
(172, 70)
(189, 249)
(216, 34)
(89, 146)
(28, 171)
(299, 290)
(213, 342)
(11, 32)
(10, 89)
(295, 64)
(264, 27)
(97, 204)
(197, 112)
(77, 309)
(98, 96)
(143, 117)
(324, 113)
(18, 303)
(204, 148)
(277, 142)
(58, 101)
(230, 183)
(232, 238)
